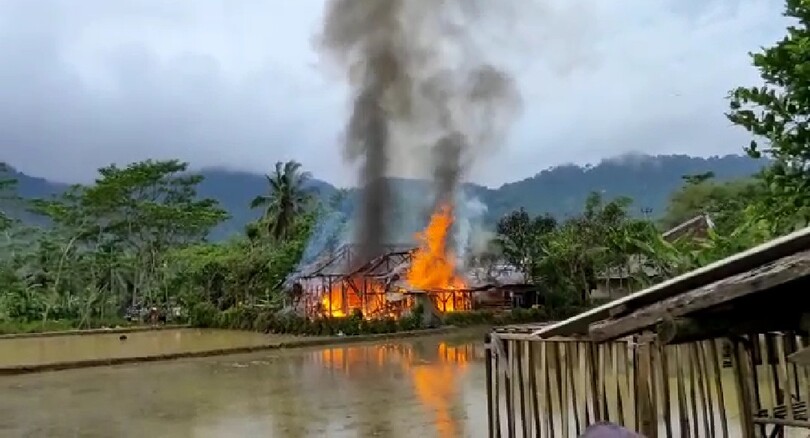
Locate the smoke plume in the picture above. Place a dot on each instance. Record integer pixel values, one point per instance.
(423, 91)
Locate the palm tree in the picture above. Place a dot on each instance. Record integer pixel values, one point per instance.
(285, 199)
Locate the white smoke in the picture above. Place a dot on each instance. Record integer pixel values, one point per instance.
(469, 226)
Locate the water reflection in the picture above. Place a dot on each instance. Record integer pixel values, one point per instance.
(434, 372)
(431, 387)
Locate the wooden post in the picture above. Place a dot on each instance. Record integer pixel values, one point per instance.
(525, 420)
(546, 370)
(741, 375)
(533, 387)
(509, 387)
(647, 418)
(491, 407)
(717, 358)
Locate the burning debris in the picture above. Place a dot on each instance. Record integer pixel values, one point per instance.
(392, 284)
(433, 266)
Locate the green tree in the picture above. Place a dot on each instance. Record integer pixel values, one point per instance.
(518, 237)
(116, 233)
(285, 199)
(725, 202)
(777, 113)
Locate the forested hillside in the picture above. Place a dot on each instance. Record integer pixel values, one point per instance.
(560, 191)
(647, 180)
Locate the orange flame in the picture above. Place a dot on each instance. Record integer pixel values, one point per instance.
(433, 266)
(342, 300)
(432, 270)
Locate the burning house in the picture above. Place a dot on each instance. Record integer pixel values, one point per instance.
(342, 283)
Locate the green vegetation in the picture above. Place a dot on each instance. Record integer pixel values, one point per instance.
(568, 257)
(138, 237)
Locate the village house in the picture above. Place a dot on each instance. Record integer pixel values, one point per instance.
(619, 281)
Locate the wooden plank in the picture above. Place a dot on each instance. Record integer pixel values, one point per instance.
(545, 349)
(770, 391)
(703, 396)
(525, 420)
(784, 376)
(570, 368)
(800, 357)
(703, 359)
(740, 322)
(741, 285)
(615, 348)
(490, 393)
(716, 359)
(533, 389)
(647, 417)
(742, 374)
(683, 413)
(562, 388)
(663, 364)
(736, 264)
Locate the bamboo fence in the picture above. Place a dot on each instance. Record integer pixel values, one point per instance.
(557, 387)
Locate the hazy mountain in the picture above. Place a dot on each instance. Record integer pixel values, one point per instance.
(560, 190)
(648, 180)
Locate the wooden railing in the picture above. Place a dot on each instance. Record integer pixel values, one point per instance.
(777, 389)
(560, 386)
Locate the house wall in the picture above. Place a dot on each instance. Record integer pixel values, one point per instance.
(613, 288)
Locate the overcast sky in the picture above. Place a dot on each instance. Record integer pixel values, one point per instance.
(237, 83)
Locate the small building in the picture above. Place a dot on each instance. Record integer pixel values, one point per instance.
(339, 284)
(719, 351)
(619, 281)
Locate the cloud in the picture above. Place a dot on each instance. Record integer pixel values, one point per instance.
(237, 84)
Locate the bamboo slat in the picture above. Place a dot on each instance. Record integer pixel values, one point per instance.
(547, 388)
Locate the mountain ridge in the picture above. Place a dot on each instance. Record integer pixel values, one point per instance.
(560, 190)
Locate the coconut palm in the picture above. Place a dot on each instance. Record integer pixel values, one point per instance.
(285, 199)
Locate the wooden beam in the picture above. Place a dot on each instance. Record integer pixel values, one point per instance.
(685, 329)
(724, 291)
(736, 264)
(801, 357)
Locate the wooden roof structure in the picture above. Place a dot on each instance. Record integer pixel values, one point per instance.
(754, 291)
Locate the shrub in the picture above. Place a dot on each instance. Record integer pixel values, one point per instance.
(267, 321)
(204, 314)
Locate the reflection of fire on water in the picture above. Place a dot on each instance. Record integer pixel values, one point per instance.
(432, 271)
(434, 382)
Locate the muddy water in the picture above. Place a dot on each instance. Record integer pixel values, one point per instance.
(426, 387)
(43, 350)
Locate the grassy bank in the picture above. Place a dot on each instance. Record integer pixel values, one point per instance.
(205, 315)
(94, 331)
(10, 327)
(314, 341)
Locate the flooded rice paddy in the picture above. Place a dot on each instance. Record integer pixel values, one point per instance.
(46, 350)
(426, 387)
